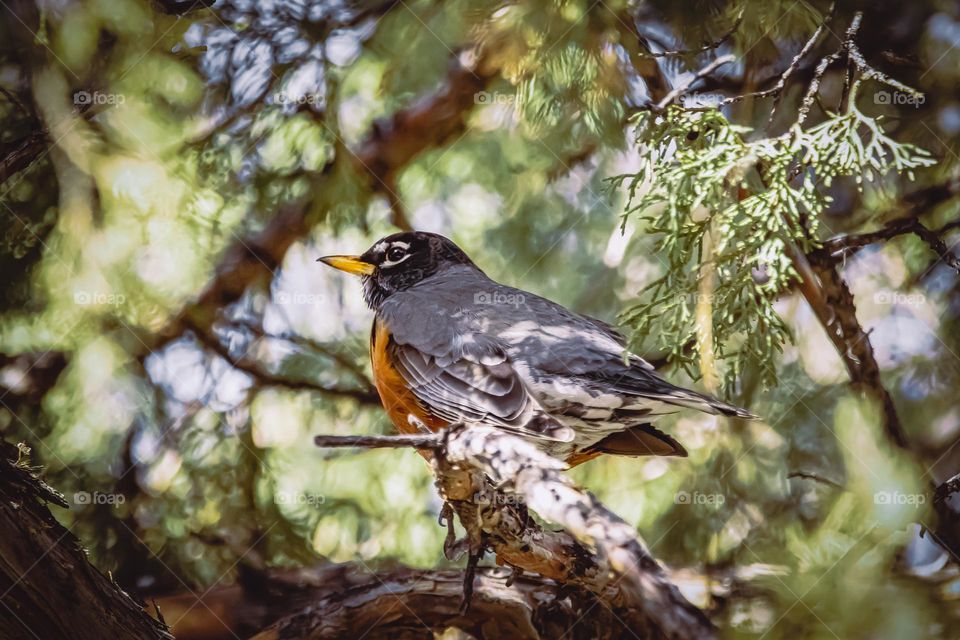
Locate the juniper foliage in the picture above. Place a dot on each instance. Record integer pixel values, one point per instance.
(705, 179)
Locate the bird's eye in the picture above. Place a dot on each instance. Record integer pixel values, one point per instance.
(395, 254)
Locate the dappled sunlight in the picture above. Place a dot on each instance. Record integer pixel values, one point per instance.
(170, 345)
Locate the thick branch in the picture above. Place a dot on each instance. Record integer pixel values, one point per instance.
(620, 570)
(415, 604)
(48, 588)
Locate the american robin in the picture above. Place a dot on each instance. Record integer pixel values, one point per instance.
(451, 345)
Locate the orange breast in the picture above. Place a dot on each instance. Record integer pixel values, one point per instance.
(398, 400)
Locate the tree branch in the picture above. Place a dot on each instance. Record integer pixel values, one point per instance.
(391, 145)
(702, 49)
(684, 88)
(832, 302)
(777, 90)
(48, 588)
(261, 374)
(907, 211)
(418, 604)
(844, 246)
(467, 461)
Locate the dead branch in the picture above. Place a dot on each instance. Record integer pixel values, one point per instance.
(492, 478)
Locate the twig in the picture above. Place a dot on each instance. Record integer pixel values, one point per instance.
(814, 88)
(777, 90)
(704, 48)
(846, 48)
(684, 88)
(861, 67)
(258, 372)
(908, 209)
(432, 441)
(305, 343)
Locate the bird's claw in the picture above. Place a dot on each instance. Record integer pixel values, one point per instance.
(453, 549)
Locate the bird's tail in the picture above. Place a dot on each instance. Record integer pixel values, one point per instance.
(707, 404)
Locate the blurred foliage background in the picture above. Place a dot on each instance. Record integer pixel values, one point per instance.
(171, 171)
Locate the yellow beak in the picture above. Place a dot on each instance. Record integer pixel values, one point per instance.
(350, 264)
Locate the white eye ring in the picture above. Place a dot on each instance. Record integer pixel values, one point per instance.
(389, 262)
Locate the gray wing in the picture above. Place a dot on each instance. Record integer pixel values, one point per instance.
(463, 376)
(586, 356)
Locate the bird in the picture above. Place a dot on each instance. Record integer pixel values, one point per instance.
(449, 345)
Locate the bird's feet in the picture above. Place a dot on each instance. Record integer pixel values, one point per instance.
(453, 549)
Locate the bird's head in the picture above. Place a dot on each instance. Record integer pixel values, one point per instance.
(398, 262)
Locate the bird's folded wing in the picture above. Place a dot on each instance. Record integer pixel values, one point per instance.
(474, 382)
